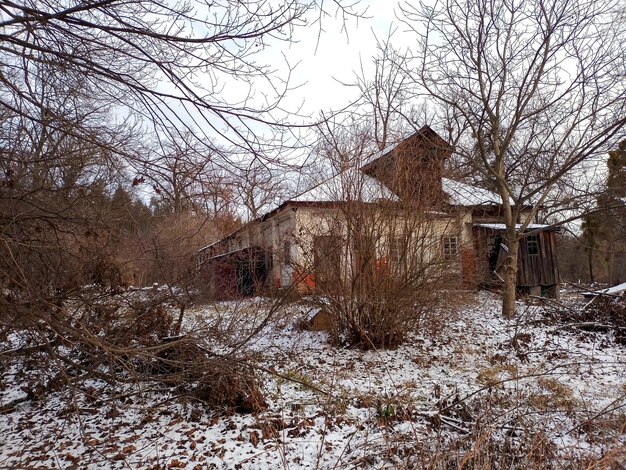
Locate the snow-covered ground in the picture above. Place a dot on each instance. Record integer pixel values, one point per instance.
(467, 376)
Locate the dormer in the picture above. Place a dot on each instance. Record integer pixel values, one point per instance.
(413, 168)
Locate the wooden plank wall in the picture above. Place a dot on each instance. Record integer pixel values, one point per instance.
(540, 269)
(533, 270)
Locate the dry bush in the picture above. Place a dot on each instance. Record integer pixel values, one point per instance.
(385, 242)
(608, 311)
(124, 340)
(492, 440)
(217, 381)
(493, 376)
(528, 450)
(378, 270)
(555, 396)
(104, 271)
(170, 248)
(488, 451)
(230, 384)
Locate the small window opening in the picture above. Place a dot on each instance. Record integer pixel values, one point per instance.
(532, 243)
(287, 252)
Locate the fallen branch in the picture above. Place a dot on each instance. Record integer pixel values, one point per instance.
(585, 325)
(10, 406)
(27, 349)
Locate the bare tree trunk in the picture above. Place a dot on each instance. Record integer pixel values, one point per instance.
(530, 123)
(510, 276)
(610, 260)
(590, 261)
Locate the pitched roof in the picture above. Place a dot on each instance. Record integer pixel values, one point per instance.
(350, 185)
(463, 194)
(425, 132)
(347, 186)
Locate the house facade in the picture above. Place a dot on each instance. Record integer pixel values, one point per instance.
(369, 223)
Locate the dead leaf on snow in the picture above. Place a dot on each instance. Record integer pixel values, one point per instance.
(176, 464)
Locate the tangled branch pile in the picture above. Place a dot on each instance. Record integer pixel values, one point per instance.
(124, 340)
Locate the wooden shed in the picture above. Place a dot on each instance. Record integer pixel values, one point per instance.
(537, 268)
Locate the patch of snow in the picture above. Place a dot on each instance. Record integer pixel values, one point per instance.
(343, 427)
(388, 149)
(618, 289)
(463, 194)
(517, 226)
(350, 185)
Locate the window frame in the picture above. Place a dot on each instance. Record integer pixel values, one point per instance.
(532, 245)
(450, 246)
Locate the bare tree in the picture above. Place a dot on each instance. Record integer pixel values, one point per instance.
(603, 229)
(385, 95)
(53, 194)
(260, 185)
(168, 63)
(537, 87)
(78, 81)
(181, 175)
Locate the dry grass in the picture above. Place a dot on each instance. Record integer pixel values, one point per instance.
(555, 396)
(493, 376)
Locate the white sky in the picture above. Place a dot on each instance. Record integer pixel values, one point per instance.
(334, 56)
(321, 62)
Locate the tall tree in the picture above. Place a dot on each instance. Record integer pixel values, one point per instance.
(169, 62)
(616, 208)
(259, 186)
(77, 79)
(536, 86)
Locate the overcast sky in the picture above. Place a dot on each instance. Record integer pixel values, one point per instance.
(335, 55)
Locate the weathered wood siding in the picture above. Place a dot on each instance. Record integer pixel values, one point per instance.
(539, 269)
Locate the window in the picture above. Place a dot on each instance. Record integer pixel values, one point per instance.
(364, 261)
(494, 243)
(287, 252)
(450, 247)
(532, 244)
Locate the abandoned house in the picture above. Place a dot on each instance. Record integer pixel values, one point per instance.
(394, 210)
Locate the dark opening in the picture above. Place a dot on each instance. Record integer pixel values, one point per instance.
(494, 243)
(252, 271)
(327, 261)
(532, 244)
